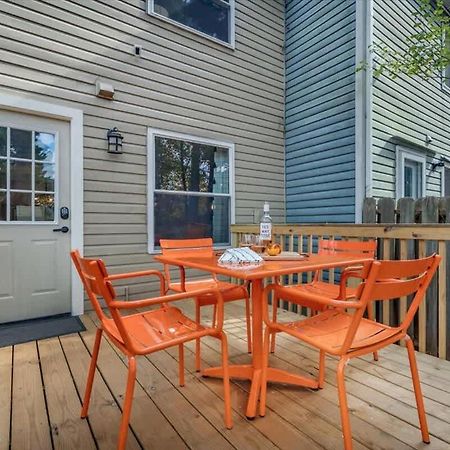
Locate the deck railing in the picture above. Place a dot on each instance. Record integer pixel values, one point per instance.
(431, 329)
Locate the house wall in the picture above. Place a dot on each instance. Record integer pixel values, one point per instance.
(405, 109)
(320, 110)
(55, 51)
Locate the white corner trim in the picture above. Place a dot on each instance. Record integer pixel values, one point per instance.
(369, 99)
(151, 133)
(75, 117)
(360, 111)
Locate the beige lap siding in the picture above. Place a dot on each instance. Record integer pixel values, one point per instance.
(54, 51)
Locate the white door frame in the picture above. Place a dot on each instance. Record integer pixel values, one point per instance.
(75, 117)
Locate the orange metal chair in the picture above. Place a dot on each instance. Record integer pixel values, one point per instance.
(230, 291)
(145, 332)
(302, 292)
(348, 335)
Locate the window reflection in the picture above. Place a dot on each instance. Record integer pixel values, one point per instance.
(189, 216)
(211, 17)
(190, 166)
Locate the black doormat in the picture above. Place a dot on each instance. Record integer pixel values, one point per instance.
(32, 330)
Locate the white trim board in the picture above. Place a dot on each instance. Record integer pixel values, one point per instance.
(23, 104)
(151, 133)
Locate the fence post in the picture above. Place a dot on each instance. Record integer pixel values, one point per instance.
(369, 213)
(430, 214)
(444, 285)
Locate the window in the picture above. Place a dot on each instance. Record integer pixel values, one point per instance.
(211, 18)
(410, 174)
(191, 188)
(445, 180)
(27, 175)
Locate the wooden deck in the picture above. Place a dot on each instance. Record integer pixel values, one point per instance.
(42, 383)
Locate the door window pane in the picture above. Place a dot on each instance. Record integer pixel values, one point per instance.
(20, 173)
(190, 216)
(2, 205)
(189, 166)
(44, 177)
(2, 141)
(20, 143)
(44, 147)
(44, 207)
(212, 17)
(20, 206)
(3, 166)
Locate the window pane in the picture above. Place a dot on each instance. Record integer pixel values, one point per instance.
(447, 182)
(211, 17)
(44, 147)
(3, 174)
(2, 141)
(20, 206)
(189, 166)
(412, 179)
(20, 172)
(44, 207)
(44, 177)
(189, 216)
(20, 144)
(2, 205)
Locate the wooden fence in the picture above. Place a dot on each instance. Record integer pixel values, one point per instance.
(431, 329)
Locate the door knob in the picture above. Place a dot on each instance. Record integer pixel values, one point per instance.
(62, 229)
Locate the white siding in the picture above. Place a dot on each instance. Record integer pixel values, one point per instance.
(405, 109)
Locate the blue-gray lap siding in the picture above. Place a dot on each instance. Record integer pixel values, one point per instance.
(320, 110)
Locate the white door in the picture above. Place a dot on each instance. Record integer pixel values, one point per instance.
(34, 217)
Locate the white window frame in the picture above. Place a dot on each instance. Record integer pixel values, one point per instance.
(231, 44)
(151, 134)
(406, 153)
(444, 85)
(33, 191)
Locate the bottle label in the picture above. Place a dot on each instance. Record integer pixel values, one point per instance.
(265, 231)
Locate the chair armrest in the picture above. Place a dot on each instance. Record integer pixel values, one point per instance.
(164, 299)
(293, 294)
(343, 283)
(144, 273)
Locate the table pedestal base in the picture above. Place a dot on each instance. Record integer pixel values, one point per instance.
(248, 372)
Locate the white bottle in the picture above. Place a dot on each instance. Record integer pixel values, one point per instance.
(265, 226)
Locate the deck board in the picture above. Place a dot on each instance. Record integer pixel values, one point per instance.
(48, 380)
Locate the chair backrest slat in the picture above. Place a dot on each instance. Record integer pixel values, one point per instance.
(202, 247)
(389, 280)
(94, 275)
(331, 246)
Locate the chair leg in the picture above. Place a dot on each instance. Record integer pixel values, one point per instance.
(127, 404)
(263, 392)
(249, 325)
(321, 380)
(417, 390)
(91, 373)
(370, 317)
(181, 364)
(226, 382)
(345, 419)
(214, 317)
(275, 302)
(197, 341)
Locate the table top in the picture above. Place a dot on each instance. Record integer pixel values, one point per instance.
(267, 268)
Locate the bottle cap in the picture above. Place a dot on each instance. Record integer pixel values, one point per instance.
(266, 207)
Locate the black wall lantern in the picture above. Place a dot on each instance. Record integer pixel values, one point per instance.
(115, 140)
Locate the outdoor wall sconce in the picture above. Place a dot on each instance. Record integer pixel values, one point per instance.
(115, 140)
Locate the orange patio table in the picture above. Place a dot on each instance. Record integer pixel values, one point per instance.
(256, 275)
